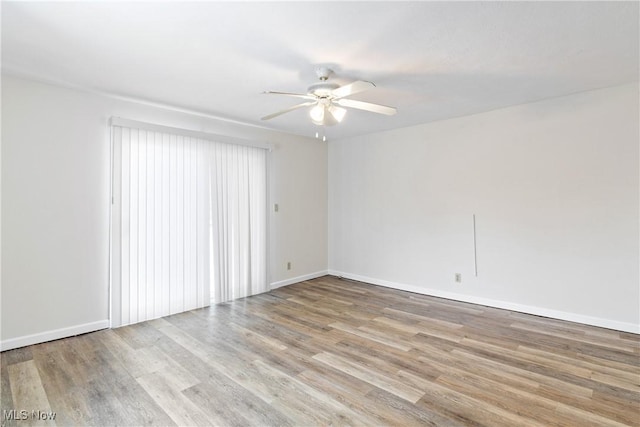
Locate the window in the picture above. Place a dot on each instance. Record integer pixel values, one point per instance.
(189, 220)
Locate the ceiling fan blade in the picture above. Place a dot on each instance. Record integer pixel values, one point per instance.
(352, 88)
(367, 106)
(295, 107)
(296, 95)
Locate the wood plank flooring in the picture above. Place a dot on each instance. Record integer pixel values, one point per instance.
(331, 352)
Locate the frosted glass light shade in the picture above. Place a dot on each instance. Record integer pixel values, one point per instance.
(338, 113)
(317, 114)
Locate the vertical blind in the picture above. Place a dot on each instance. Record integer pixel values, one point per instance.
(188, 221)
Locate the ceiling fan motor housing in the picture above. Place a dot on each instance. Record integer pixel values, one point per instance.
(322, 89)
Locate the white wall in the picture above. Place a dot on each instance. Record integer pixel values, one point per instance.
(299, 228)
(554, 186)
(55, 205)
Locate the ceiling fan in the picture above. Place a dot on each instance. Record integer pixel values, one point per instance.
(328, 99)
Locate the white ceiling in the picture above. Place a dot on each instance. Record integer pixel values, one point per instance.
(431, 60)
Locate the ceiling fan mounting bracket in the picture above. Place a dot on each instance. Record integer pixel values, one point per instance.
(323, 73)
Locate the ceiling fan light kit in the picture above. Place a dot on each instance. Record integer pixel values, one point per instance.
(327, 100)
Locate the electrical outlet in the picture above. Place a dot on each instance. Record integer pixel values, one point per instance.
(276, 207)
(458, 278)
(289, 265)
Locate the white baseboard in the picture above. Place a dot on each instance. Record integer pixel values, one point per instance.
(56, 334)
(528, 309)
(538, 311)
(298, 279)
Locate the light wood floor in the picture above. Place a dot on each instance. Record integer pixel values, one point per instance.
(333, 352)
